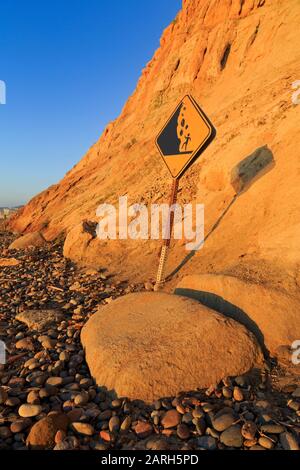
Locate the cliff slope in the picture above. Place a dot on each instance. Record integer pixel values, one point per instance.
(238, 58)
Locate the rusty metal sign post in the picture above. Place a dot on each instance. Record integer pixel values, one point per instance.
(184, 137)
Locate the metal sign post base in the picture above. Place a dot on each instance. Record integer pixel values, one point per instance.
(160, 277)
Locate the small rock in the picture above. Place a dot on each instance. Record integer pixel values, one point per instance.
(293, 405)
(238, 394)
(272, 428)
(105, 435)
(183, 431)
(223, 420)
(55, 381)
(42, 434)
(126, 423)
(25, 343)
(266, 442)
(288, 441)
(19, 425)
(207, 442)
(29, 411)
(232, 437)
(170, 419)
(64, 356)
(33, 397)
(49, 343)
(59, 436)
(83, 428)
(227, 392)
(81, 399)
(143, 429)
(114, 424)
(249, 430)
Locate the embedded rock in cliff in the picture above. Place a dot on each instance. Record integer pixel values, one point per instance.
(150, 345)
(34, 239)
(238, 59)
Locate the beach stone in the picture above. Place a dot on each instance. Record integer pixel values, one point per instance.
(83, 428)
(207, 442)
(227, 392)
(40, 319)
(122, 357)
(105, 435)
(272, 428)
(33, 397)
(126, 423)
(288, 441)
(19, 425)
(249, 430)
(81, 399)
(48, 343)
(29, 411)
(25, 343)
(265, 442)
(171, 419)
(156, 443)
(55, 381)
(143, 429)
(42, 433)
(223, 420)
(183, 431)
(114, 424)
(238, 394)
(232, 437)
(8, 262)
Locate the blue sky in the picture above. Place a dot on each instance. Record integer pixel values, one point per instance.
(69, 66)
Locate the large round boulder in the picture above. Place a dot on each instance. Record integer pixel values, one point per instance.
(152, 344)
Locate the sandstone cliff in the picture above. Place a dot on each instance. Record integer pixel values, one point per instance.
(238, 58)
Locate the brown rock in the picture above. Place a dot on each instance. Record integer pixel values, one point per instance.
(6, 262)
(25, 343)
(40, 319)
(249, 430)
(34, 239)
(183, 431)
(170, 419)
(105, 435)
(42, 433)
(123, 357)
(143, 429)
(83, 428)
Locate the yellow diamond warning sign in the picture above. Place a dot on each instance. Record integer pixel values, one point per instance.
(185, 136)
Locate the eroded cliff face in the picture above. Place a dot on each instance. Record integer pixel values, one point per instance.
(238, 58)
